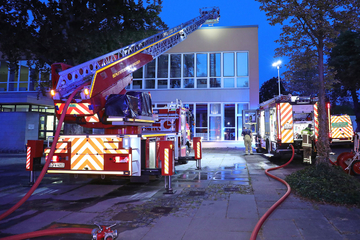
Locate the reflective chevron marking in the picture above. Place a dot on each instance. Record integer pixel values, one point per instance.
(166, 161)
(86, 153)
(341, 127)
(28, 157)
(91, 119)
(75, 108)
(287, 133)
(316, 119)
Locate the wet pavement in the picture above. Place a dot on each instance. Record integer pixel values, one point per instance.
(223, 200)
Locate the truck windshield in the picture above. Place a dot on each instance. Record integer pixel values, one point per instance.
(303, 117)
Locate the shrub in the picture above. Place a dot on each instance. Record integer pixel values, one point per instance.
(325, 183)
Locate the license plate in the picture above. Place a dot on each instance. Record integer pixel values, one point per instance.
(57, 165)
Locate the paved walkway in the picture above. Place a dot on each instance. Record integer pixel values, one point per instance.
(224, 200)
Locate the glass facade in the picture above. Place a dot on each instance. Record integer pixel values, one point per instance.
(216, 121)
(19, 77)
(212, 70)
(194, 70)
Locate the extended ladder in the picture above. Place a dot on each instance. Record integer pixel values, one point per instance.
(153, 46)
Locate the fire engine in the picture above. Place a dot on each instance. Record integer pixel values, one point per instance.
(173, 121)
(135, 139)
(279, 122)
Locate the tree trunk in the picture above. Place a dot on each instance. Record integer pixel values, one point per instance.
(356, 108)
(322, 144)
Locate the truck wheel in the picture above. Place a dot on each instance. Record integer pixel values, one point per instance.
(355, 167)
(188, 149)
(268, 146)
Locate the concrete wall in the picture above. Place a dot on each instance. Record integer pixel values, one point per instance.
(16, 129)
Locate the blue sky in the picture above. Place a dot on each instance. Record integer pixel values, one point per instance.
(232, 13)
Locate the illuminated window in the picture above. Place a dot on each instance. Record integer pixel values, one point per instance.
(163, 66)
(201, 65)
(242, 64)
(229, 65)
(175, 65)
(188, 66)
(215, 64)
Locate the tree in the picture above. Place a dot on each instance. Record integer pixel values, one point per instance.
(308, 26)
(345, 58)
(302, 74)
(72, 31)
(270, 88)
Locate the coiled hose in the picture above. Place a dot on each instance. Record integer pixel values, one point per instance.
(273, 207)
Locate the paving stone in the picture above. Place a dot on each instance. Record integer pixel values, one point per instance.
(279, 229)
(347, 225)
(78, 218)
(168, 227)
(242, 206)
(37, 222)
(215, 234)
(290, 214)
(331, 212)
(137, 233)
(212, 209)
(317, 229)
(221, 225)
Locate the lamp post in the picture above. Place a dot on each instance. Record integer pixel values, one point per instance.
(277, 65)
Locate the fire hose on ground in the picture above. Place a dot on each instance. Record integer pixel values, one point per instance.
(103, 231)
(273, 207)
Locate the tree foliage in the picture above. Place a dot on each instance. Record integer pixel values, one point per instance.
(307, 28)
(345, 58)
(270, 88)
(72, 31)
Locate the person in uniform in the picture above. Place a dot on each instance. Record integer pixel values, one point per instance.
(307, 135)
(247, 134)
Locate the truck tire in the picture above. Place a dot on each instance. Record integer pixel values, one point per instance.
(268, 150)
(355, 167)
(188, 149)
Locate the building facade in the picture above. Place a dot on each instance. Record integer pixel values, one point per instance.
(215, 72)
(25, 112)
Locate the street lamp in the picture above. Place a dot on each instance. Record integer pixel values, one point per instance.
(277, 65)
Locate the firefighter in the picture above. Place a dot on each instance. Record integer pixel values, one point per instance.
(307, 135)
(247, 134)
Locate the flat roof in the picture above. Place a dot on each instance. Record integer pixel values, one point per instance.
(219, 27)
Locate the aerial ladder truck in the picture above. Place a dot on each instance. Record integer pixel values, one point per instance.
(102, 102)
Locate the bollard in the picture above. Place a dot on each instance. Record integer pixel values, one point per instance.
(197, 151)
(34, 152)
(166, 150)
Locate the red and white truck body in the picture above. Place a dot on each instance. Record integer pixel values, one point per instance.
(281, 120)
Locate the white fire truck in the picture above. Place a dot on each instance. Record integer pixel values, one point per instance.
(132, 143)
(279, 122)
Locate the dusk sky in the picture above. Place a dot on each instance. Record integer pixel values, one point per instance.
(232, 13)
